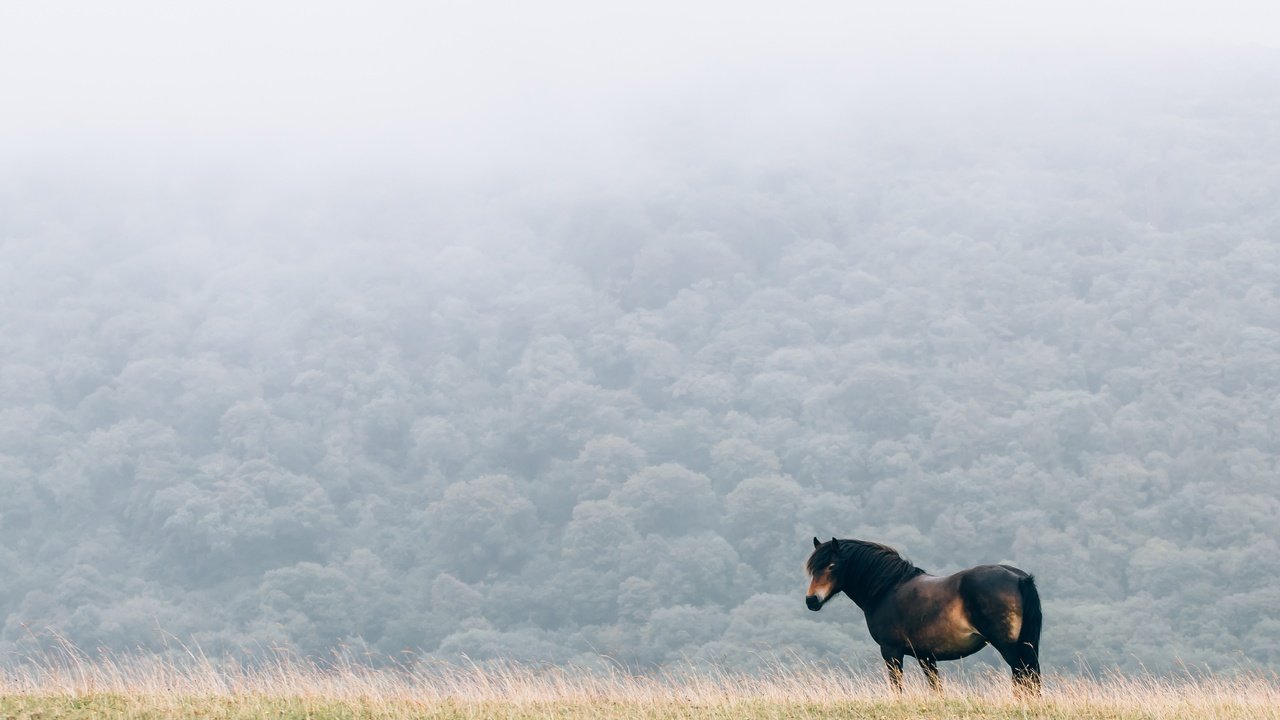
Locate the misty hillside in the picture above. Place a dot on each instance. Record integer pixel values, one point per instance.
(566, 413)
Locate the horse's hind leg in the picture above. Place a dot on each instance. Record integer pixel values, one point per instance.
(930, 668)
(1026, 674)
(1000, 615)
(1025, 663)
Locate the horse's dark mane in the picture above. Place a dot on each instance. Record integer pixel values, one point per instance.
(865, 571)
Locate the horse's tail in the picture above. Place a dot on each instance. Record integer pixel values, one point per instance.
(1029, 636)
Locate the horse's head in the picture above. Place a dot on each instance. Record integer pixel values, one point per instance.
(822, 567)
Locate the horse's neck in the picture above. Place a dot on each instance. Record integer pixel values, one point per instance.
(869, 597)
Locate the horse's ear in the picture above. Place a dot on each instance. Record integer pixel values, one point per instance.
(817, 543)
(834, 543)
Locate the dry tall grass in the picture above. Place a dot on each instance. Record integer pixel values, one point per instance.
(68, 684)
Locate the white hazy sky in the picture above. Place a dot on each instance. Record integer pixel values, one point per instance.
(461, 79)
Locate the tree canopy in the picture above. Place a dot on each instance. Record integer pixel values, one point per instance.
(561, 423)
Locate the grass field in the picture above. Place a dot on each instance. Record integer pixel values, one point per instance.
(72, 686)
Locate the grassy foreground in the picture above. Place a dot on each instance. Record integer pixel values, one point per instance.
(148, 688)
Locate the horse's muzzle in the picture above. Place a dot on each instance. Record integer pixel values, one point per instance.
(813, 603)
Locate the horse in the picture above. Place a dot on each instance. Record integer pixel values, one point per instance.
(931, 618)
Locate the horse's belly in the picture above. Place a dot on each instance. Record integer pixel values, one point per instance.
(950, 635)
(956, 648)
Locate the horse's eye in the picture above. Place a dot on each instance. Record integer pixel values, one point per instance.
(832, 566)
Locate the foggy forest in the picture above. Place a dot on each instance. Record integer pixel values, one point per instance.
(589, 403)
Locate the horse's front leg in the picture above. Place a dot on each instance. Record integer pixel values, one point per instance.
(893, 665)
(930, 668)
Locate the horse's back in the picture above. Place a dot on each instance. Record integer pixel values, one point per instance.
(1020, 573)
(991, 577)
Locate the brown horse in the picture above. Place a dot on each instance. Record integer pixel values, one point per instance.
(910, 612)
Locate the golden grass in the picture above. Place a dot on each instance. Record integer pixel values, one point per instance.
(70, 685)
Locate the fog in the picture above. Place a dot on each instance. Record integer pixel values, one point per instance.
(462, 87)
(554, 333)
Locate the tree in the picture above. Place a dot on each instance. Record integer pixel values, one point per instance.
(736, 459)
(482, 527)
(603, 465)
(316, 606)
(597, 534)
(667, 499)
(761, 515)
(237, 517)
